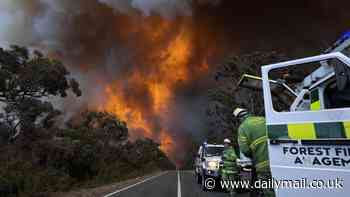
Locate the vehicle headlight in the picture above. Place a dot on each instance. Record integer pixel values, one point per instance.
(212, 165)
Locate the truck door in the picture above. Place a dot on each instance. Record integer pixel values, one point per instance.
(309, 146)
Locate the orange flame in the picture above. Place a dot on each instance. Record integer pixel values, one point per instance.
(169, 67)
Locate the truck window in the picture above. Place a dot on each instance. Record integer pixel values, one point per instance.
(317, 85)
(213, 151)
(292, 76)
(335, 98)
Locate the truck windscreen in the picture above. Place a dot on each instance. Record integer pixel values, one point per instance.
(213, 151)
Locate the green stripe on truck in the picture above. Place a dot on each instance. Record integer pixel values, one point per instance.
(330, 130)
(277, 131)
(326, 130)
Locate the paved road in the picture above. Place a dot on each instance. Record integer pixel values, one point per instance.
(167, 184)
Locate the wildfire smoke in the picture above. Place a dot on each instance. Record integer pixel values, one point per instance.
(147, 61)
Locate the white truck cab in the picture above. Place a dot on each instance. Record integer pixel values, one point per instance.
(207, 163)
(307, 109)
(309, 142)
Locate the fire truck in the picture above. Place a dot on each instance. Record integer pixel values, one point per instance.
(307, 109)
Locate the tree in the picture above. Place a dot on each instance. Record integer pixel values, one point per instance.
(27, 80)
(226, 96)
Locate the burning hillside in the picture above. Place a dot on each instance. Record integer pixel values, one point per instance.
(130, 64)
(144, 96)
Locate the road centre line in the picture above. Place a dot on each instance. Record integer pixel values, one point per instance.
(178, 184)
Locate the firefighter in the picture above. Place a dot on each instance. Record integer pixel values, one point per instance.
(252, 141)
(229, 169)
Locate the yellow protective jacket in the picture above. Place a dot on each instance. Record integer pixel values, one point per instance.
(252, 140)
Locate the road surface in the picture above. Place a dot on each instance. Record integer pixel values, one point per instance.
(166, 184)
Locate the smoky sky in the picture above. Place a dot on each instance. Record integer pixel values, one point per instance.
(83, 30)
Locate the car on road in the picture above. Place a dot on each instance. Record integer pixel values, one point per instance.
(207, 163)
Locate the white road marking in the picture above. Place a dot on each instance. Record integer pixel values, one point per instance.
(138, 183)
(178, 184)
